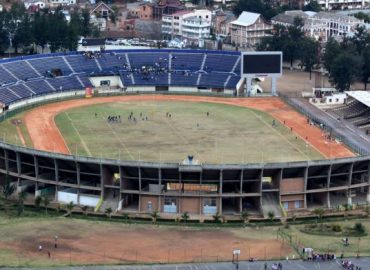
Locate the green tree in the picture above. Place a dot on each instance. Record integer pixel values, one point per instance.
(84, 209)
(244, 215)
(217, 217)
(86, 28)
(20, 202)
(38, 201)
(257, 6)
(332, 50)
(344, 70)
(271, 215)
(359, 228)
(70, 207)
(313, 5)
(362, 16)
(185, 216)
(109, 212)
(319, 212)
(155, 215)
(365, 66)
(309, 54)
(46, 203)
(7, 189)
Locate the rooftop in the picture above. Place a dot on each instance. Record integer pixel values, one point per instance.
(246, 18)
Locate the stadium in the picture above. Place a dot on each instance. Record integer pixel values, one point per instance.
(164, 130)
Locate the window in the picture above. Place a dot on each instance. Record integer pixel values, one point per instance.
(209, 202)
(105, 83)
(286, 205)
(297, 204)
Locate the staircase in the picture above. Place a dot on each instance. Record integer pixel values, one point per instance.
(110, 201)
(270, 202)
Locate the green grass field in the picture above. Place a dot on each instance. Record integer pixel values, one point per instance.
(230, 134)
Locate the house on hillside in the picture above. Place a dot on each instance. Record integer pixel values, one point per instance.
(166, 7)
(249, 29)
(101, 10)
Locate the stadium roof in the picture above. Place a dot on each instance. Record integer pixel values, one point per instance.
(361, 96)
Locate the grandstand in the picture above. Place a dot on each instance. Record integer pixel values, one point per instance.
(356, 110)
(25, 77)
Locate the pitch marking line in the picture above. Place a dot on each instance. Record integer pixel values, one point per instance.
(79, 135)
(277, 132)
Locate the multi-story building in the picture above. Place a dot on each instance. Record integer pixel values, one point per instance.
(321, 25)
(221, 22)
(192, 25)
(249, 29)
(342, 4)
(166, 7)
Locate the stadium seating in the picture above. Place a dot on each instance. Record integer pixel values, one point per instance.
(81, 63)
(25, 77)
(21, 70)
(44, 65)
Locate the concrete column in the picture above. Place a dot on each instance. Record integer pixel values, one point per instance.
(249, 86)
(159, 195)
(19, 167)
(349, 198)
(305, 187)
(220, 193)
(273, 87)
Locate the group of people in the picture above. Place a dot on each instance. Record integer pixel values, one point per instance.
(348, 265)
(114, 119)
(92, 55)
(276, 266)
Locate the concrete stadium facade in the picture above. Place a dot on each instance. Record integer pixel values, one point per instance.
(198, 189)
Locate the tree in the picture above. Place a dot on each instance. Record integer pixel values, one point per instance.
(361, 39)
(244, 215)
(359, 228)
(309, 54)
(155, 216)
(365, 66)
(319, 212)
(38, 201)
(217, 217)
(313, 5)
(46, 202)
(362, 16)
(8, 189)
(257, 6)
(271, 215)
(20, 203)
(185, 216)
(344, 70)
(109, 212)
(86, 28)
(332, 50)
(84, 209)
(70, 207)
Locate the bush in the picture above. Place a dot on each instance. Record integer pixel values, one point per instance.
(359, 228)
(336, 228)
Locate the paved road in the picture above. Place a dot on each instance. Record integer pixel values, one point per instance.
(364, 263)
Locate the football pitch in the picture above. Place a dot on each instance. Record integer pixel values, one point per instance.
(169, 131)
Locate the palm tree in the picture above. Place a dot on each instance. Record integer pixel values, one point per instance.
(217, 217)
(271, 215)
(109, 212)
(244, 215)
(38, 201)
(185, 216)
(20, 204)
(84, 209)
(70, 207)
(46, 202)
(155, 216)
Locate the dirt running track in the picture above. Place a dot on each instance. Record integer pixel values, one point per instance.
(46, 136)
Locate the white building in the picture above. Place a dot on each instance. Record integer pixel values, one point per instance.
(55, 3)
(341, 4)
(192, 25)
(321, 25)
(36, 3)
(325, 25)
(249, 29)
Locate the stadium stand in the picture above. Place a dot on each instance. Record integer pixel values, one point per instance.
(29, 76)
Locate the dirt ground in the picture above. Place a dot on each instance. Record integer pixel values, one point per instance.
(130, 244)
(46, 136)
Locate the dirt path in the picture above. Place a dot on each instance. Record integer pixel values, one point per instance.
(46, 136)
